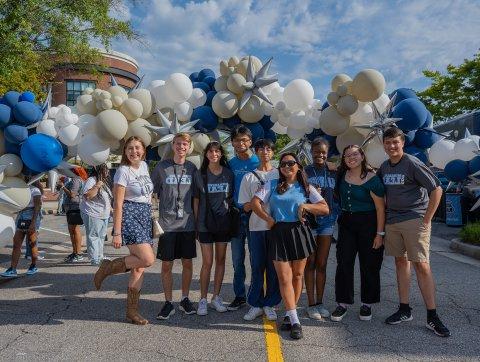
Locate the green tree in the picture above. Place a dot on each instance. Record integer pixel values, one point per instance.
(37, 34)
(455, 92)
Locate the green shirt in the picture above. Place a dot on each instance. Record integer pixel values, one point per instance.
(357, 198)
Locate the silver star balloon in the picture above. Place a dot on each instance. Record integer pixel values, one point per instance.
(255, 82)
(381, 121)
(113, 81)
(301, 147)
(170, 129)
(138, 84)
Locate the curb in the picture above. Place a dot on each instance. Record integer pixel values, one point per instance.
(465, 249)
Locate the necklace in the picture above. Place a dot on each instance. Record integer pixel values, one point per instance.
(134, 173)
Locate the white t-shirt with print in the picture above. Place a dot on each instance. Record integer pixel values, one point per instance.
(34, 191)
(137, 183)
(98, 206)
(248, 187)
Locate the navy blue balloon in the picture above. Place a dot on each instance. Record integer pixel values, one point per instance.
(208, 119)
(426, 137)
(12, 148)
(204, 73)
(402, 93)
(317, 132)
(429, 121)
(271, 135)
(152, 154)
(11, 98)
(26, 113)
(417, 152)
(456, 170)
(28, 171)
(209, 80)
(413, 114)
(41, 153)
(6, 115)
(15, 133)
(64, 149)
(232, 122)
(332, 140)
(474, 165)
(210, 96)
(325, 105)
(206, 88)
(266, 123)
(256, 129)
(194, 77)
(27, 96)
(409, 137)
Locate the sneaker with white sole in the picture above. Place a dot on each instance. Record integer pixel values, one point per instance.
(365, 313)
(32, 270)
(217, 304)
(322, 310)
(9, 273)
(270, 313)
(253, 313)
(313, 313)
(338, 314)
(202, 307)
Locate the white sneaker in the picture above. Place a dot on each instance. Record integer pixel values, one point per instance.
(313, 313)
(270, 313)
(253, 313)
(323, 311)
(202, 307)
(217, 304)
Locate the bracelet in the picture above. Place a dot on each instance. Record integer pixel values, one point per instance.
(381, 233)
(118, 234)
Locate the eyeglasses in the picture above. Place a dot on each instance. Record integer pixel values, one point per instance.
(284, 164)
(242, 140)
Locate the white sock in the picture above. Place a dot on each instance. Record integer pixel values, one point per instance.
(292, 314)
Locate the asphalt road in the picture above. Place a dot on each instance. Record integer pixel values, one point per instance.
(57, 315)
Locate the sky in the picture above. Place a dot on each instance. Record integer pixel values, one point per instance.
(313, 40)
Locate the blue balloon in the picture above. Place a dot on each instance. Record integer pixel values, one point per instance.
(208, 119)
(41, 153)
(317, 132)
(413, 114)
(426, 137)
(204, 73)
(210, 96)
(64, 149)
(209, 80)
(26, 113)
(271, 135)
(11, 98)
(28, 171)
(206, 88)
(417, 152)
(232, 122)
(402, 93)
(332, 140)
(456, 170)
(324, 106)
(409, 137)
(27, 96)
(6, 115)
(12, 148)
(266, 123)
(15, 133)
(194, 77)
(474, 165)
(256, 129)
(429, 121)
(152, 154)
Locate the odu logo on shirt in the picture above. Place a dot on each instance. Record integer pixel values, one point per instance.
(215, 188)
(394, 179)
(172, 180)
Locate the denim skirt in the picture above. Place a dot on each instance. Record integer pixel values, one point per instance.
(136, 223)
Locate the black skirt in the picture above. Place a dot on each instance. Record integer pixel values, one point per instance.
(289, 241)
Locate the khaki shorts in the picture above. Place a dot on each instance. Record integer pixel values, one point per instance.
(409, 238)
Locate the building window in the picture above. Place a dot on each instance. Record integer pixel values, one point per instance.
(75, 89)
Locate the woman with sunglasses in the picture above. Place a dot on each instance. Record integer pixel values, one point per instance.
(361, 230)
(290, 239)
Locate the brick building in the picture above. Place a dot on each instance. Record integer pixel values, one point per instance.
(71, 80)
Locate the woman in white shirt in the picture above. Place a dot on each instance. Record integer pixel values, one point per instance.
(95, 208)
(132, 224)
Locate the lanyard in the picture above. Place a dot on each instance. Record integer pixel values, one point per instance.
(179, 181)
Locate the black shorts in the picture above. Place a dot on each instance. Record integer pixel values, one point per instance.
(74, 217)
(177, 245)
(209, 238)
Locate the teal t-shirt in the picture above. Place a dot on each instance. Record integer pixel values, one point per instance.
(357, 198)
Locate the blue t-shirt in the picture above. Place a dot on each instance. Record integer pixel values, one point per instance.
(240, 168)
(325, 179)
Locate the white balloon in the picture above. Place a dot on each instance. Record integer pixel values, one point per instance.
(7, 229)
(295, 133)
(14, 164)
(47, 126)
(284, 121)
(464, 149)
(375, 153)
(155, 83)
(350, 137)
(161, 96)
(198, 98)
(274, 117)
(92, 150)
(333, 123)
(362, 117)
(52, 112)
(298, 120)
(16, 190)
(382, 102)
(278, 128)
(86, 123)
(280, 106)
(179, 87)
(267, 109)
(70, 135)
(298, 94)
(475, 138)
(276, 95)
(441, 153)
(269, 88)
(183, 111)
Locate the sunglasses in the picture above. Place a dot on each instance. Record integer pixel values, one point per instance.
(287, 164)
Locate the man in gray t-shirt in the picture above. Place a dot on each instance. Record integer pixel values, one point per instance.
(412, 196)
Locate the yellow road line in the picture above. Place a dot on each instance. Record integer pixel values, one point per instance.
(272, 339)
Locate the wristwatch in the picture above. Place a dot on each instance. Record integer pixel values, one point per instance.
(381, 233)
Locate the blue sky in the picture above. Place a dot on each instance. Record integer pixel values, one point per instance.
(313, 40)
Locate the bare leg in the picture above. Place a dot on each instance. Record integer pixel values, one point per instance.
(323, 250)
(402, 266)
(310, 277)
(187, 273)
(207, 261)
(220, 254)
(298, 268)
(167, 279)
(141, 257)
(17, 246)
(426, 283)
(284, 273)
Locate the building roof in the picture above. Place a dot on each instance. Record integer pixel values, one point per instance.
(121, 56)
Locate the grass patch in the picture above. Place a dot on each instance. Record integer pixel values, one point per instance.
(470, 233)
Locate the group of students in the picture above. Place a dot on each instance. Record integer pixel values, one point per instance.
(287, 216)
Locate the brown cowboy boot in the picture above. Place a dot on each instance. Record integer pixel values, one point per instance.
(133, 295)
(109, 267)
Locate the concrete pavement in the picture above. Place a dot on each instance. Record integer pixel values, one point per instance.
(57, 315)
